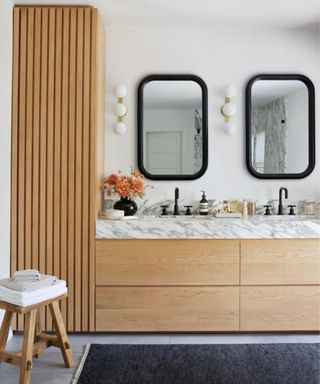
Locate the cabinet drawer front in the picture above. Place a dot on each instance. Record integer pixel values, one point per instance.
(167, 309)
(167, 262)
(286, 308)
(288, 262)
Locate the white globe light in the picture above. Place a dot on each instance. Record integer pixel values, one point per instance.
(120, 91)
(229, 128)
(229, 109)
(229, 90)
(120, 128)
(120, 109)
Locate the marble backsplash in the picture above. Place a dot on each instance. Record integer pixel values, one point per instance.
(148, 207)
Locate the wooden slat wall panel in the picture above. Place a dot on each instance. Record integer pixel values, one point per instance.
(64, 152)
(57, 145)
(43, 145)
(21, 145)
(54, 152)
(71, 161)
(85, 154)
(78, 169)
(14, 140)
(93, 165)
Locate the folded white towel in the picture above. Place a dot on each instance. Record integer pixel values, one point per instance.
(24, 299)
(27, 285)
(27, 273)
(26, 278)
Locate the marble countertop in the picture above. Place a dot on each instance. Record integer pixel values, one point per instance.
(199, 227)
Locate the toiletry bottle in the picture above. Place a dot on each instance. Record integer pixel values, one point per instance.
(245, 209)
(251, 208)
(204, 205)
(226, 206)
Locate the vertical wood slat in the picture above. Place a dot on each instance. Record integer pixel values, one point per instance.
(14, 141)
(54, 153)
(64, 153)
(29, 137)
(79, 320)
(43, 146)
(57, 144)
(71, 164)
(93, 164)
(85, 155)
(21, 144)
(50, 150)
(36, 140)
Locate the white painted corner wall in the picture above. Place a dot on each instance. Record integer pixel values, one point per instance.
(220, 56)
(5, 136)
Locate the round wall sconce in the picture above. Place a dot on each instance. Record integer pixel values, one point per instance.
(229, 109)
(120, 110)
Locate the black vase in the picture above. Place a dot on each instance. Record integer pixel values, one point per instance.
(127, 205)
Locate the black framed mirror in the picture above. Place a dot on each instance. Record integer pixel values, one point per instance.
(280, 126)
(172, 127)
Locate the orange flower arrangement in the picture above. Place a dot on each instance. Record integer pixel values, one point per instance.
(125, 186)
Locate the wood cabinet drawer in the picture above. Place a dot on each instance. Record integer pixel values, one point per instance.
(167, 309)
(278, 261)
(167, 262)
(281, 308)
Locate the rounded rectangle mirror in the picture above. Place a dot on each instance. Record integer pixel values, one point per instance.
(280, 126)
(172, 127)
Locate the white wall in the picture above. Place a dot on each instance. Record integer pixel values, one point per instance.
(219, 56)
(5, 136)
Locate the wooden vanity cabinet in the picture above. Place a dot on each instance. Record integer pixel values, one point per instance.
(280, 288)
(57, 150)
(207, 285)
(167, 285)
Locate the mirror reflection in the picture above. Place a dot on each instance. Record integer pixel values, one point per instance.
(172, 120)
(279, 127)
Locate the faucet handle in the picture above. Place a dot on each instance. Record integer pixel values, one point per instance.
(164, 210)
(292, 212)
(188, 210)
(267, 212)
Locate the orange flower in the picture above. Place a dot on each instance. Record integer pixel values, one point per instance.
(125, 186)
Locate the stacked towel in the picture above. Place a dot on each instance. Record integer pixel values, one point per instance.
(27, 274)
(26, 285)
(25, 292)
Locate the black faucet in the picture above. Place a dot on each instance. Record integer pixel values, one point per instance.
(176, 206)
(280, 207)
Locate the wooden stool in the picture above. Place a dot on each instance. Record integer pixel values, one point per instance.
(34, 341)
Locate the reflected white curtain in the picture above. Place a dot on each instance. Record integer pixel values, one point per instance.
(271, 119)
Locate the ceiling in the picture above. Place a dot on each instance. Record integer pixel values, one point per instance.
(290, 14)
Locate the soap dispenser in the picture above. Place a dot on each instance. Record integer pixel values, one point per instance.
(204, 205)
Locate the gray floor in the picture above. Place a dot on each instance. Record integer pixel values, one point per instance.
(49, 369)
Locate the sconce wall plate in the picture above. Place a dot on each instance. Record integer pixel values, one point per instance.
(120, 110)
(229, 109)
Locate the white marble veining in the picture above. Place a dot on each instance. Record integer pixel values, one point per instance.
(258, 227)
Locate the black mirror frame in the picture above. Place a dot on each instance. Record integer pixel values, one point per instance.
(311, 110)
(204, 89)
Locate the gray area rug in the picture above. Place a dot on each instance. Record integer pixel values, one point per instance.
(201, 364)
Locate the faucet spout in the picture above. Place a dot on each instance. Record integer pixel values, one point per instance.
(176, 206)
(280, 207)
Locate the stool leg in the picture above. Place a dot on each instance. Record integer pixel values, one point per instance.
(37, 330)
(61, 334)
(5, 328)
(27, 349)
